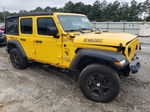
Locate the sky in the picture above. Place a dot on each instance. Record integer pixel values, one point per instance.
(17, 5)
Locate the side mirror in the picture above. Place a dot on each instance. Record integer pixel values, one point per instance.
(52, 31)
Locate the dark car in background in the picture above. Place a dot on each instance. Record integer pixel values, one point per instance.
(2, 37)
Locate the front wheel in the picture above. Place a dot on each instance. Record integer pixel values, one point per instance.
(99, 83)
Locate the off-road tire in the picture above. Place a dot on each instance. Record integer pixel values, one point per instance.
(17, 60)
(96, 72)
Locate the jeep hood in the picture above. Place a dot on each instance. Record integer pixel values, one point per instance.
(112, 39)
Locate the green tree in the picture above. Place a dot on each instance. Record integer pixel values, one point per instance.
(69, 7)
(111, 12)
(146, 10)
(47, 9)
(38, 9)
(23, 11)
(134, 11)
(101, 11)
(95, 12)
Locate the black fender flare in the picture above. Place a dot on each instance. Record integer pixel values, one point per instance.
(101, 55)
(14, 43)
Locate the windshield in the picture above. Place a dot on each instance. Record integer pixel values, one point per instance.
(75, 23)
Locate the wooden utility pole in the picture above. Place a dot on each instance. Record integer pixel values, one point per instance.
(4, 14)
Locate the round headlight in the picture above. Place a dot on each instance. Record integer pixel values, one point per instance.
(129, 51)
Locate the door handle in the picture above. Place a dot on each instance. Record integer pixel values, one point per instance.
(38, 41)
(23, 39)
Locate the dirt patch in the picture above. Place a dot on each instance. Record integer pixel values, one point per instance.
(43, 90)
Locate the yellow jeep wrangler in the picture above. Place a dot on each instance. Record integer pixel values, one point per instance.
(69, 41)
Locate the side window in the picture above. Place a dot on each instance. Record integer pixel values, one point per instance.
(26, 26)
(12, 26)
(44, 24)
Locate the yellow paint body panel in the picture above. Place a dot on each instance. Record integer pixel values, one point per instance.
(60, 51)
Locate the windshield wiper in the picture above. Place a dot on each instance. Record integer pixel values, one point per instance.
(97, 29)
(74, 30)
(86, 29)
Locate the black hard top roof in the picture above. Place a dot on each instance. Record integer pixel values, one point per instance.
(30, 14)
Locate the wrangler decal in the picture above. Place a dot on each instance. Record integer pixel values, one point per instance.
(93, 40)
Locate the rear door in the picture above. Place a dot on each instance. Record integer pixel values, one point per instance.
(48, 48)
(27, 35)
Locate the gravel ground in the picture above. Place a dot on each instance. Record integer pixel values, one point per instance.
(49, 90)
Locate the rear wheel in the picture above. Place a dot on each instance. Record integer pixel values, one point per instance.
(99, 83)
(17, 60)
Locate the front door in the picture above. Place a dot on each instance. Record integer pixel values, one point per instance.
(48, 48)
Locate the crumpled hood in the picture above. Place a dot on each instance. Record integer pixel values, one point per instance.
(105, 38)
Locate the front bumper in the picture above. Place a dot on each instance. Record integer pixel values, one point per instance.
(134, 65)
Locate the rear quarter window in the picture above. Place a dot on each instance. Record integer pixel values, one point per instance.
(12, 26)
